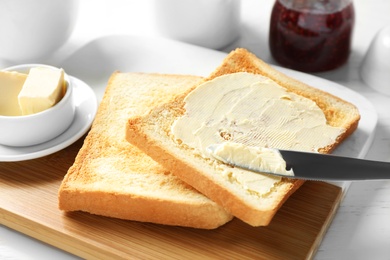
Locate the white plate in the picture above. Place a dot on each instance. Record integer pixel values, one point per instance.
(98, 59)
(86, 107)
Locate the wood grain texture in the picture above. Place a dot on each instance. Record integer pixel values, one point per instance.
(28, 203)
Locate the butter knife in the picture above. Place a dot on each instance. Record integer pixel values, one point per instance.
(317, 166)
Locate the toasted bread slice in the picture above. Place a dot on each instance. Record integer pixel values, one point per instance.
(152, 133)
(110, 177)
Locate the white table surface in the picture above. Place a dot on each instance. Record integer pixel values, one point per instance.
(361, 228)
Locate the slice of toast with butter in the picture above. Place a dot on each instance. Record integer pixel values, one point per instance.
(244, 101)
(111, 177)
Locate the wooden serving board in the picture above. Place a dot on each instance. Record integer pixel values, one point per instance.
(28, 203)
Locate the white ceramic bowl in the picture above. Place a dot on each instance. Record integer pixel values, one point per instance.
(375, 68)
(40, 127)
(208, 23)
(32, 30)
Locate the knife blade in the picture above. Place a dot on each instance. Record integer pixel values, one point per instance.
(316, 166)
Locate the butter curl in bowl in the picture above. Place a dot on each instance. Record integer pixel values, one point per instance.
(36, 104)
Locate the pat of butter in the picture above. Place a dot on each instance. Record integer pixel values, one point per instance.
(11, 83)
(42, 89)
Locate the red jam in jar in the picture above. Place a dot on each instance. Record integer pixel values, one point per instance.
(311, 35)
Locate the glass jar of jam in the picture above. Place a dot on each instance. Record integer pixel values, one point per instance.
(311, 35)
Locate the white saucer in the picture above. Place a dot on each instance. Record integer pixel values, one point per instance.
(86, 108)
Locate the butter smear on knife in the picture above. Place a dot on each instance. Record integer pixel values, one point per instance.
(258, 159)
